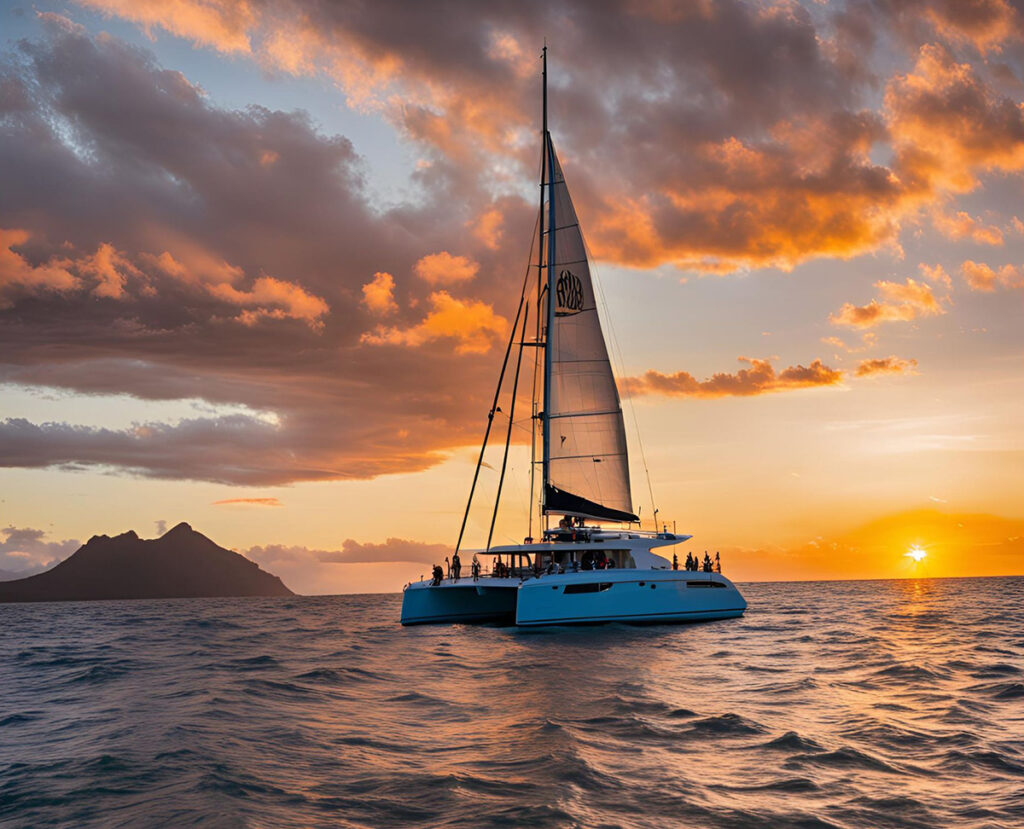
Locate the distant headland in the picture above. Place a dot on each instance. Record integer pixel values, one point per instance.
(182, 563)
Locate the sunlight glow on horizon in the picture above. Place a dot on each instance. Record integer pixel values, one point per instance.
(916, 552)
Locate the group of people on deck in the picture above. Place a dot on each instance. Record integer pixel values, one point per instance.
(695, 564)
(591, 560)
(453, 569)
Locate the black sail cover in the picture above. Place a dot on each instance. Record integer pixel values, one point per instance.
(588, 472)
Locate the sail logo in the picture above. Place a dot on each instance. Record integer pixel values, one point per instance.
(569, 290)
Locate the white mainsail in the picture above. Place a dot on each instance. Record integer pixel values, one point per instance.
(588, 467)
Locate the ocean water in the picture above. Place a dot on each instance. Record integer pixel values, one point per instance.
(867, 704)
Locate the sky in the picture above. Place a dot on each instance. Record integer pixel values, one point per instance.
(259, 260)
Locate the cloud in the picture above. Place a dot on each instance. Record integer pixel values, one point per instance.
(489, 227)
(868, 340)
(981, 277)
(356, 567)
(473, 325)
(948, 126)
(964, 226)
(219, 24)
(886, 365)
(25, 551)
(173, 248)
(718, 137)
(18, 274)
(937, 274)
(255, 502)
(275, 299)
(444, 269)
(760, 378)
(379, 294)
(111, 269)
(202, 252)
(899, 303)
(985, 24)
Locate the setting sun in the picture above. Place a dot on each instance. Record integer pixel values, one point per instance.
(916, 553)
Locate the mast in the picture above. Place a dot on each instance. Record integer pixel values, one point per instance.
(535, 413)
(548, 168)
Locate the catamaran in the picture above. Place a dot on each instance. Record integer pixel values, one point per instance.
(576, 572)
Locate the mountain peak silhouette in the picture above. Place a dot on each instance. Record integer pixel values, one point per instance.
(182, 563)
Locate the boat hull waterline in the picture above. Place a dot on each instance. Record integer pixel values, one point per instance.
(583, 598)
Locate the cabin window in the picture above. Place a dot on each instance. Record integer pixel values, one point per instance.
(592, 587)
(704, 584)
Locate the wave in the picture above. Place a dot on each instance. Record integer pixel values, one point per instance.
(322, 711)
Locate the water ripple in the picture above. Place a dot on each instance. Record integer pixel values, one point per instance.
(871, 704)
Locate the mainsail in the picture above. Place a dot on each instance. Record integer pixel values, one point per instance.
(586, 462)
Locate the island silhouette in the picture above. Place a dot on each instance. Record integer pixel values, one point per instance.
(182, 563)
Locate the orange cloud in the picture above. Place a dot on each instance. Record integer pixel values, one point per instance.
(273, 298)
(936, 274)
(900, 303)
(964, 226)
(760, 378)
(947, 124)
(472, 323)
(886, 365)
(16, 272)
(222, 24)
(110, 268)
(981, 277)
(487, 227)
(379, 294)
(255, 502)
(781, 169)
(985, 24)
(444, 269)
(868, 340)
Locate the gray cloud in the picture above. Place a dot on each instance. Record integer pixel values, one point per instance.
(25, 551)
(745, 136)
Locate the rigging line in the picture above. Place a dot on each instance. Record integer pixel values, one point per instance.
(494, 404)
(629, 397)
(508, 433)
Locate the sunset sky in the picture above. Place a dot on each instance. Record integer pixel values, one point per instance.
(258, 261)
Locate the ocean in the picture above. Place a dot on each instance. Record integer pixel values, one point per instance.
(847, 704)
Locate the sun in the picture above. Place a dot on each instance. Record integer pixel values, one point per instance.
(916, 553)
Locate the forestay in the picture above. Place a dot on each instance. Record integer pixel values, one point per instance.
(588, 468)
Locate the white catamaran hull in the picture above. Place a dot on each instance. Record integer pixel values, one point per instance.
(597, 596)
(635, 596)
(486, 600)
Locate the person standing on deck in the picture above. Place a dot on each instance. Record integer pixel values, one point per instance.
(456, 566)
